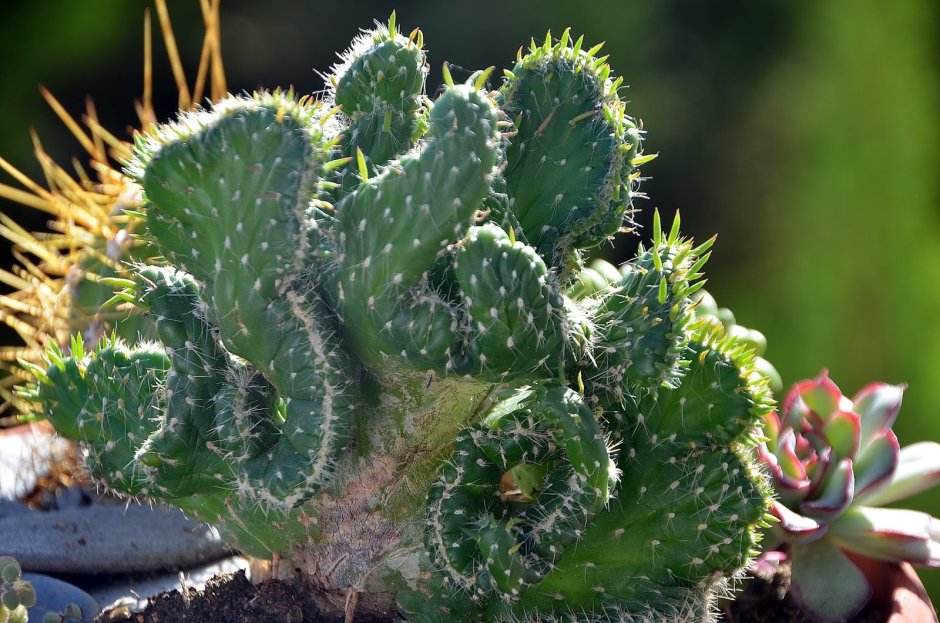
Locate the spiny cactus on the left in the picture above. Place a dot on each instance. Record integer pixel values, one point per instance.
(58, 283)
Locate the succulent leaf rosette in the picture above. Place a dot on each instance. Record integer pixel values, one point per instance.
(834, 463)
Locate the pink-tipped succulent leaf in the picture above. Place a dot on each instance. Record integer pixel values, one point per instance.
(832, 461)
(894, 534)
(918, 469)
(798, 528)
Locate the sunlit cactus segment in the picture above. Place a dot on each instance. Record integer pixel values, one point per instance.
(381, 70)
(687, 478)
(248, 166)
(570, 172)
(188, 396)
(518, 321)
(719, 399)
(159, 408)
(248, 171)
(642, 319)
(705, 498)
(80, 389)
(517, 491)
(379, 85)
(395, 226)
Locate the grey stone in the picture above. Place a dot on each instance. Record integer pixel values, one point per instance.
(109, 539)
(9, 508)
(55, 595)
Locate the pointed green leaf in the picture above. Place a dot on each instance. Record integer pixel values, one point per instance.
(813, 568)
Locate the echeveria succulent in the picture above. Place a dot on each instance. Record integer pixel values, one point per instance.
(834, 462)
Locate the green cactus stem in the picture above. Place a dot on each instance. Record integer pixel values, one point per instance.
(379, 86)
(380, 357)
(383, 296)
(570, 174)
(687, 477)
(251, 166)
(519, 319)
(520, 488)
(647, 308)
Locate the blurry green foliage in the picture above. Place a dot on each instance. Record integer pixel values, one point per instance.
(67, 46)
(839, 264)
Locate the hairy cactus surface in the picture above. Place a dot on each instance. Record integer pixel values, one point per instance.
(381, 356)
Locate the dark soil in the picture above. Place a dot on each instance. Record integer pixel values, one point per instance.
(231, 598)
(227, 598)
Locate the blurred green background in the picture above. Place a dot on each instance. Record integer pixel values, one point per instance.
(805, 134)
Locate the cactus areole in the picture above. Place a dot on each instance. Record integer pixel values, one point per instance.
(382, 359)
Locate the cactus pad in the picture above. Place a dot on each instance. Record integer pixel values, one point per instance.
(380, 355)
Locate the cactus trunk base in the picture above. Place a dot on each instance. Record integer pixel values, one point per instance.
(366, 531)
(364, 556)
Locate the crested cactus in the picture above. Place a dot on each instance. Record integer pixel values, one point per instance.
(381, 357)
